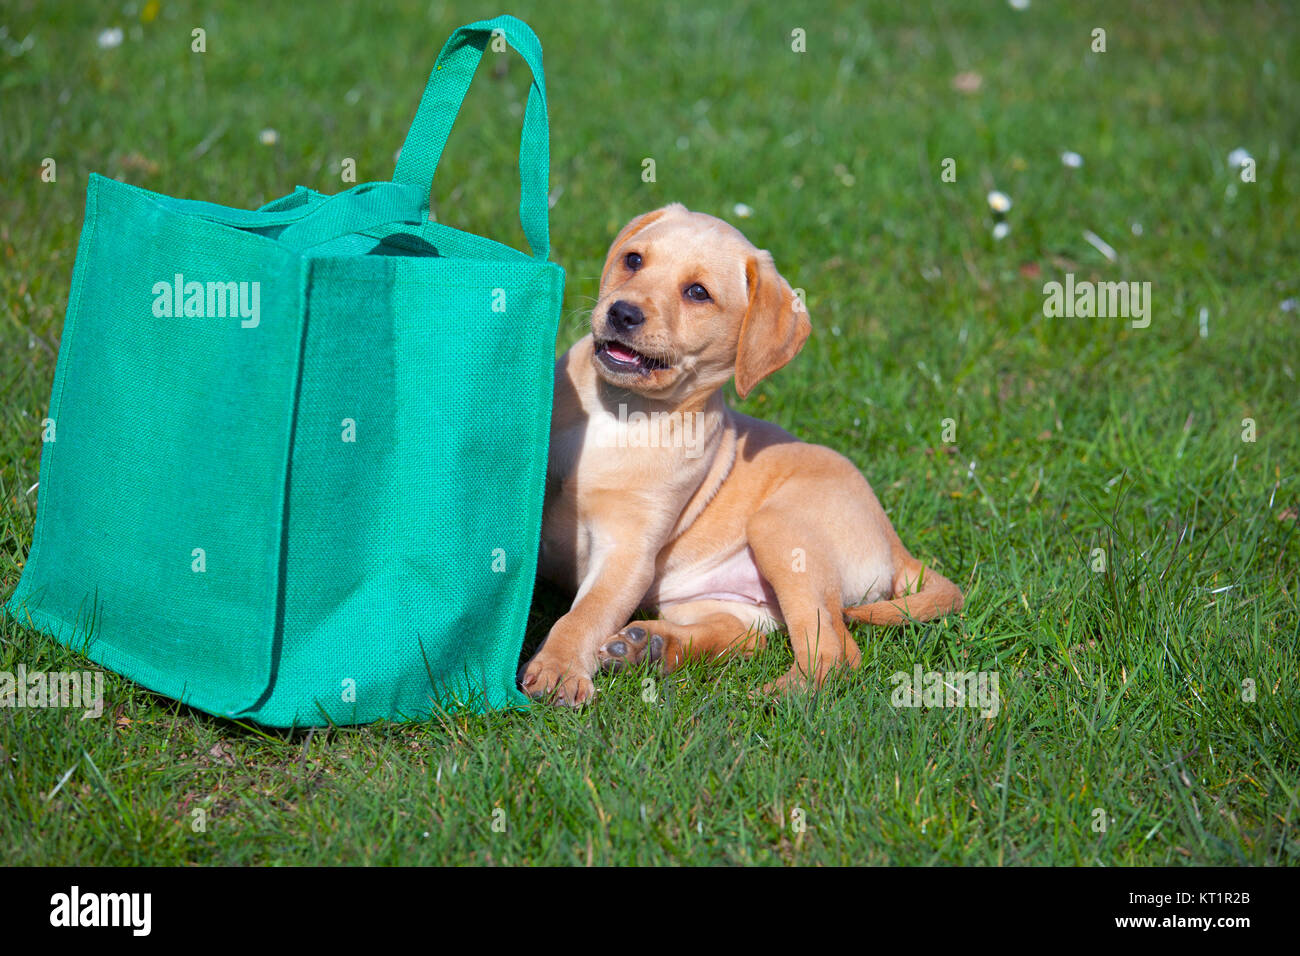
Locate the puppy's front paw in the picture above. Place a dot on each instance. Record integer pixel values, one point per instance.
(797, 679)
(641, 641)
(791, 681)
(567, 683)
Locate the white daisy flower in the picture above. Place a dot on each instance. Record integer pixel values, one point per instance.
(110, 38)
(268, 137)
(1000, 230)
(1071, 159)
(999, 202)
(1238, 158)
(742, 211)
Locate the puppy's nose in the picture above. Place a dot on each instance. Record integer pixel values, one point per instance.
(624, 316)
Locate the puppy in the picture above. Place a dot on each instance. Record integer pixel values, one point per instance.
(661, 497)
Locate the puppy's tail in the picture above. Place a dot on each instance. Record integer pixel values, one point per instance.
(936, 597)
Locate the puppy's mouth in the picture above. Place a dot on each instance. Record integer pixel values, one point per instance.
(618, 357)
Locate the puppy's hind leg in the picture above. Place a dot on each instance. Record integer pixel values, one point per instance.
(702, 630)
(799, 565)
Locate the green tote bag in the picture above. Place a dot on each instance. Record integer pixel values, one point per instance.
(294, 461)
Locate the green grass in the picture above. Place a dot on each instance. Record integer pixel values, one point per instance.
(1121, 691)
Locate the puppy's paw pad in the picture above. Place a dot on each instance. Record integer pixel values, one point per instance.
(626, 647)
(632, 645)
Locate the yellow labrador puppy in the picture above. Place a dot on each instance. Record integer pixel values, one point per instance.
(661, 497)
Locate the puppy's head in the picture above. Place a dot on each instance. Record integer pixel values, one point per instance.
(686, 301)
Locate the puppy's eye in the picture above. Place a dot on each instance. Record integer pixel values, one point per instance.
(697, 293)
(632, 260)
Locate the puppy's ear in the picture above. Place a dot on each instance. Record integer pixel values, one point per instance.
(631, 229)
(775, 327)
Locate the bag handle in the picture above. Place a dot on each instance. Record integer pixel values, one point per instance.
(272, 214)
(360, 208)
(441, 102)
(311, 223)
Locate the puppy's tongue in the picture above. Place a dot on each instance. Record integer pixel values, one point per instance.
(621, 354)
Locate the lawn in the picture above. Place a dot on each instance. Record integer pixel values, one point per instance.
(1118, 502)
